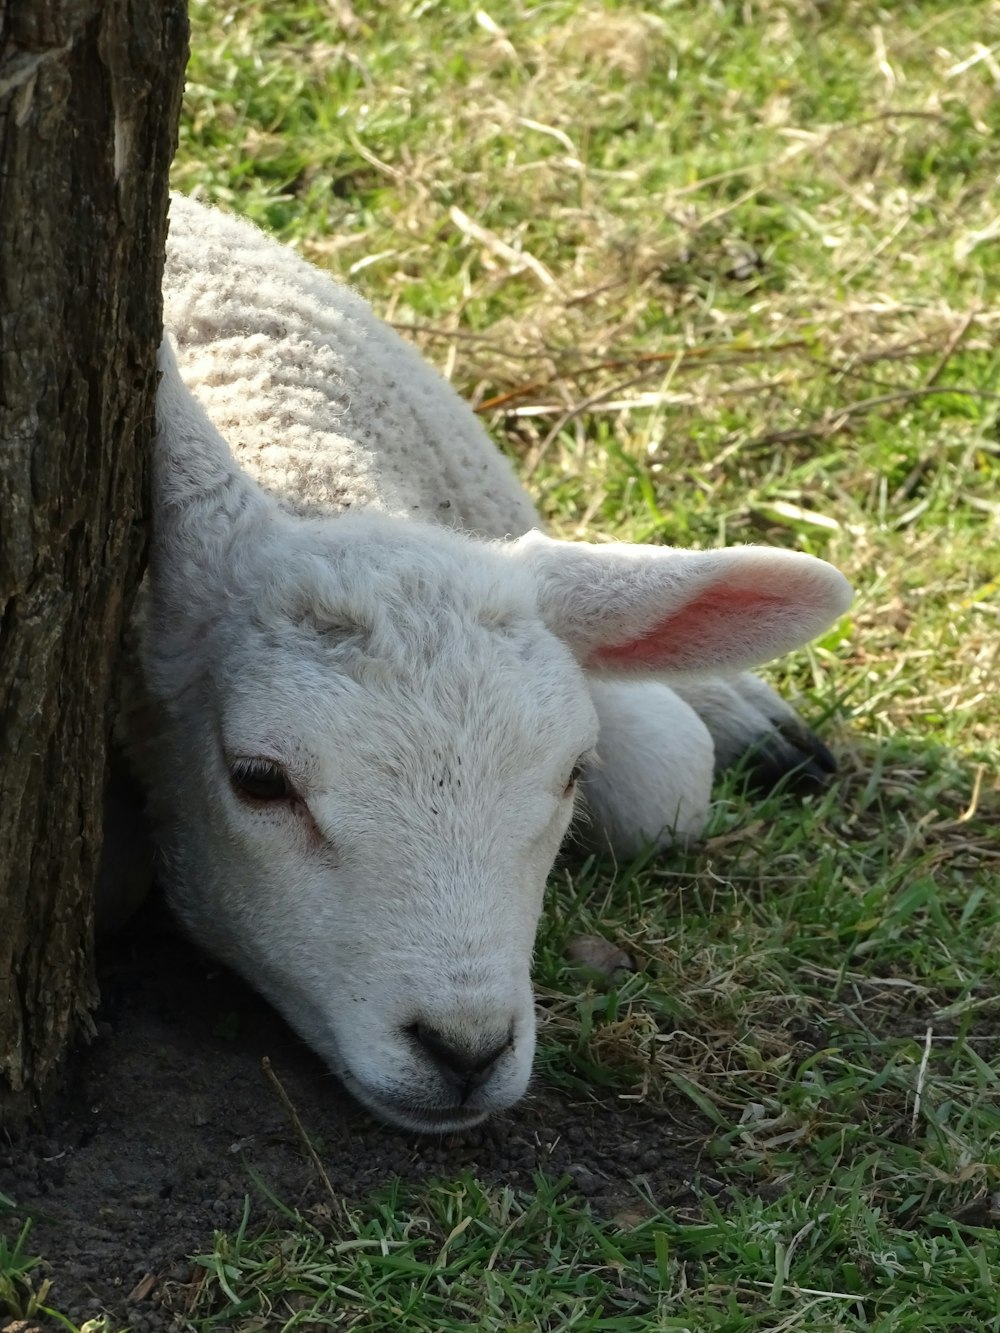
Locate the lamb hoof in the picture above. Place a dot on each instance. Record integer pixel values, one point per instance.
(791, 759)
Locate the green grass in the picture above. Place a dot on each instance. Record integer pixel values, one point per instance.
(459, 1256)
(715, 273)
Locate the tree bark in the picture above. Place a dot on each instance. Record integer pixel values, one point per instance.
(89, 104)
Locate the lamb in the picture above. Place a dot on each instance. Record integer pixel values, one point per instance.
(372, 691)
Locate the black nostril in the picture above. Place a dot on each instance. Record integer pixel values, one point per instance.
(464, 1063)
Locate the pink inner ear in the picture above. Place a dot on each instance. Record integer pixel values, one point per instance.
(720, 620)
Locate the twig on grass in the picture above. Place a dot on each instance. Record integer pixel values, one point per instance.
(393, 173)
(517, 259)
(303, 1137)
(569, 414)
(193, 1289)
(679, 356)
(698, 358)
(833, 422)
(143, 1287)
(950, 347)
(970, 810)
(921, 1077)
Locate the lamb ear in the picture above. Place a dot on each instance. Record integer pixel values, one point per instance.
(193, 466)
(202, 500)
(635, 609)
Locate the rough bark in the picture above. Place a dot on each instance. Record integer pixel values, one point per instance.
(89, 103)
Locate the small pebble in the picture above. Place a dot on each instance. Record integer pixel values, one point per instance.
(600, 956)
(588, 1184)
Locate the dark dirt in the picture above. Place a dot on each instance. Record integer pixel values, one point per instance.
(147, 1153)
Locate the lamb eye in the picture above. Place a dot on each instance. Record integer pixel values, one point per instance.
(574, 777)
(259, 780)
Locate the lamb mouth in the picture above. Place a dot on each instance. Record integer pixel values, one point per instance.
(413, 1116)
(430, 1119)
(445, 1120)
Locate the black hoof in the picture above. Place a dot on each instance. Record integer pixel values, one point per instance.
(792, 759)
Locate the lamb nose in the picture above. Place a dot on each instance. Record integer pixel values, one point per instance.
(464, 1063)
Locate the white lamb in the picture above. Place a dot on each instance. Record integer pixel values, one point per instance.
(371, 710)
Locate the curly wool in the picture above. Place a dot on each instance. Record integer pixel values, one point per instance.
(320, 401)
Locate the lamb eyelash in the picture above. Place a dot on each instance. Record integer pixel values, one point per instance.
(243, 773)
(247, 768)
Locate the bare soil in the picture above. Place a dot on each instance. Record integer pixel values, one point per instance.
(148, 1152)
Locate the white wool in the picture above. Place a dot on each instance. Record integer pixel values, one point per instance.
(319, 400)
(333, 608)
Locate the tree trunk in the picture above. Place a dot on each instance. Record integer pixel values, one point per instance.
(89, 104)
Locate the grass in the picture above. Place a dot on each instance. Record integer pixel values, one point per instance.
(464, 1257)
(712, 273)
